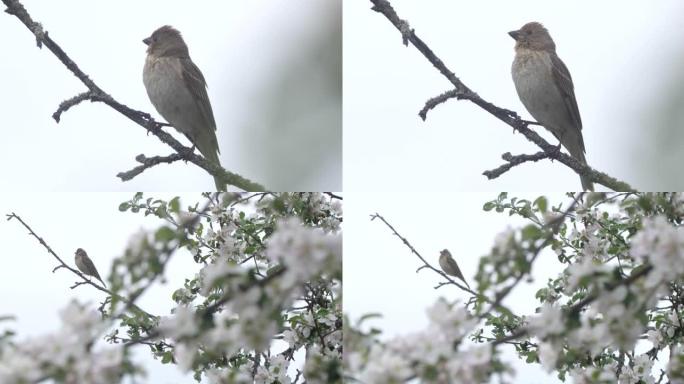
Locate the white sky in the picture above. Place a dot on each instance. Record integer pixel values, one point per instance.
(66, 221)
(241, 48)
(623, 56)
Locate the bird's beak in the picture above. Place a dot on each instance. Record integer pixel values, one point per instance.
(147, 40)
(514, 34)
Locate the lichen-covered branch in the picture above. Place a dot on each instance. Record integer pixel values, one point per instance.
(462, 92)
(95, 93)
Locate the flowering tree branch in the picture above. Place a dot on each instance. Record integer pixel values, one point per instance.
(611, 312)
(231, 321)
(95, 93)
(463, 92)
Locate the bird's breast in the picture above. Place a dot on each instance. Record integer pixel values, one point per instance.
(538, 91)
(168, 92)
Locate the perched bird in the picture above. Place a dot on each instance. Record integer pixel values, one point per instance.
(545, 88)
(450, 267)
(178, 91)
(85, 265)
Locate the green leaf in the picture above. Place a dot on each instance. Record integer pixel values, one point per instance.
(174, 204)
(164, 234)
(531, 232)
(167, 357)
(541, 203)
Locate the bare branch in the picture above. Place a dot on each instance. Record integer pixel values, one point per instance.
(62, 264)
(462, 92)
(426, 264)
(513, 161)
(437, 100)
(95, 93)
(148, 162)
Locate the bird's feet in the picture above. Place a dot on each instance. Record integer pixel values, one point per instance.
(555, 151)
(187, 152)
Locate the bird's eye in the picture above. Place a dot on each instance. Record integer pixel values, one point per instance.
(528, 32)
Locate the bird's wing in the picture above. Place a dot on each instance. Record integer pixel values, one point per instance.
(91, 267)
(454, 267)
(562, 78)
(194, 81)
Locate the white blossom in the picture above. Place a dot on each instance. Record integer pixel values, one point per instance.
(639, 371)
(593, 375)
(661, 244)
(216, 270)
(184, 354)
(470, 366)
(69, 350)
(548, 355)
(453, 321)
(586, 267)
(182, 323)
(385, 366)
(304, 251)
(549, 322)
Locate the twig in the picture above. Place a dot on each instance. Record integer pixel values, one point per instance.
(437, 100)
(62, 264)
(513, 161)
(334, 196)
(438, 271)
(148, 162)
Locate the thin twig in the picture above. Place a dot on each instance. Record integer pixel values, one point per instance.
(438, 271)
(62, 264)
(148, 162)
(512, 161)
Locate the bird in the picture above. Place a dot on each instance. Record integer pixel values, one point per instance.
(178, 91)
(85, 265)
(545, 88)
(450, 267)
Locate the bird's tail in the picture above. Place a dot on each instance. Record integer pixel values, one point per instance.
(212, 156)
(220, 186)
(578, 153)
(575, 145)
(587, 185)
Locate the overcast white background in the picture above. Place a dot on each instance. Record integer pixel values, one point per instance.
(625, 57)
(34, 294)
(274, 75)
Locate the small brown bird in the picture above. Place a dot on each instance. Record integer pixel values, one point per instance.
(545, 88)
(450, 267)
(178, 91)
(85, 265)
